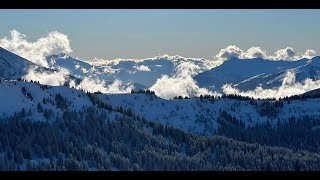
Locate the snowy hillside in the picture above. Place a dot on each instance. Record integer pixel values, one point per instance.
(18, 95)
(201, 116)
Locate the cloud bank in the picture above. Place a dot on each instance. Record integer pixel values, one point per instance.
(36, 52)
(287, 53)
(289, 87)
(61, 76)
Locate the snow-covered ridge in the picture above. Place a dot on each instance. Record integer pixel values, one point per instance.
(12, 66)
(247, 74)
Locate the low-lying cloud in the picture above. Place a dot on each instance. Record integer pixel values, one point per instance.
(54, 42)
(54, 78)
(96, 85)
(289, 87)
(61, 76)
(180, 84)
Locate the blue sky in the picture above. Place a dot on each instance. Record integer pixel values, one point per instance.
(109, 34)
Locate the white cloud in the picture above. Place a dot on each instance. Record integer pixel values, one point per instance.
(142, 68)
(287, 54)
(310, 53)
(60, 76)
(229, 52)
(174, 58)
(289, 87)
(284, 54)
(36, 52)
(254, 52)
(180, 84)
(95, 85)
(169, 87)
(54, 78)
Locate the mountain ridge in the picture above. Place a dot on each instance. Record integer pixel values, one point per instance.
(247, 74)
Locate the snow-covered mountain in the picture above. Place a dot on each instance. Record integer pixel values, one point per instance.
(143, 72)
(309, 70)
(247, 74)
(243, 74)
(12, 66)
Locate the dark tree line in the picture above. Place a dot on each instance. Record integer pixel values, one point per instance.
(298, 133)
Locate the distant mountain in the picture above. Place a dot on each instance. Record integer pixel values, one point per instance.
(81, 69)
(247, 74)
(144, 72)
(76, 67)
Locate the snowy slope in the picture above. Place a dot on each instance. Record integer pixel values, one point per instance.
(201, 116)
(12, 66)
(247, 73)
(13, 99)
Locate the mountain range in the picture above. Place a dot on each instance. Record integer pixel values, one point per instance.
(247, 74)
(62, 128)
(243, 74)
